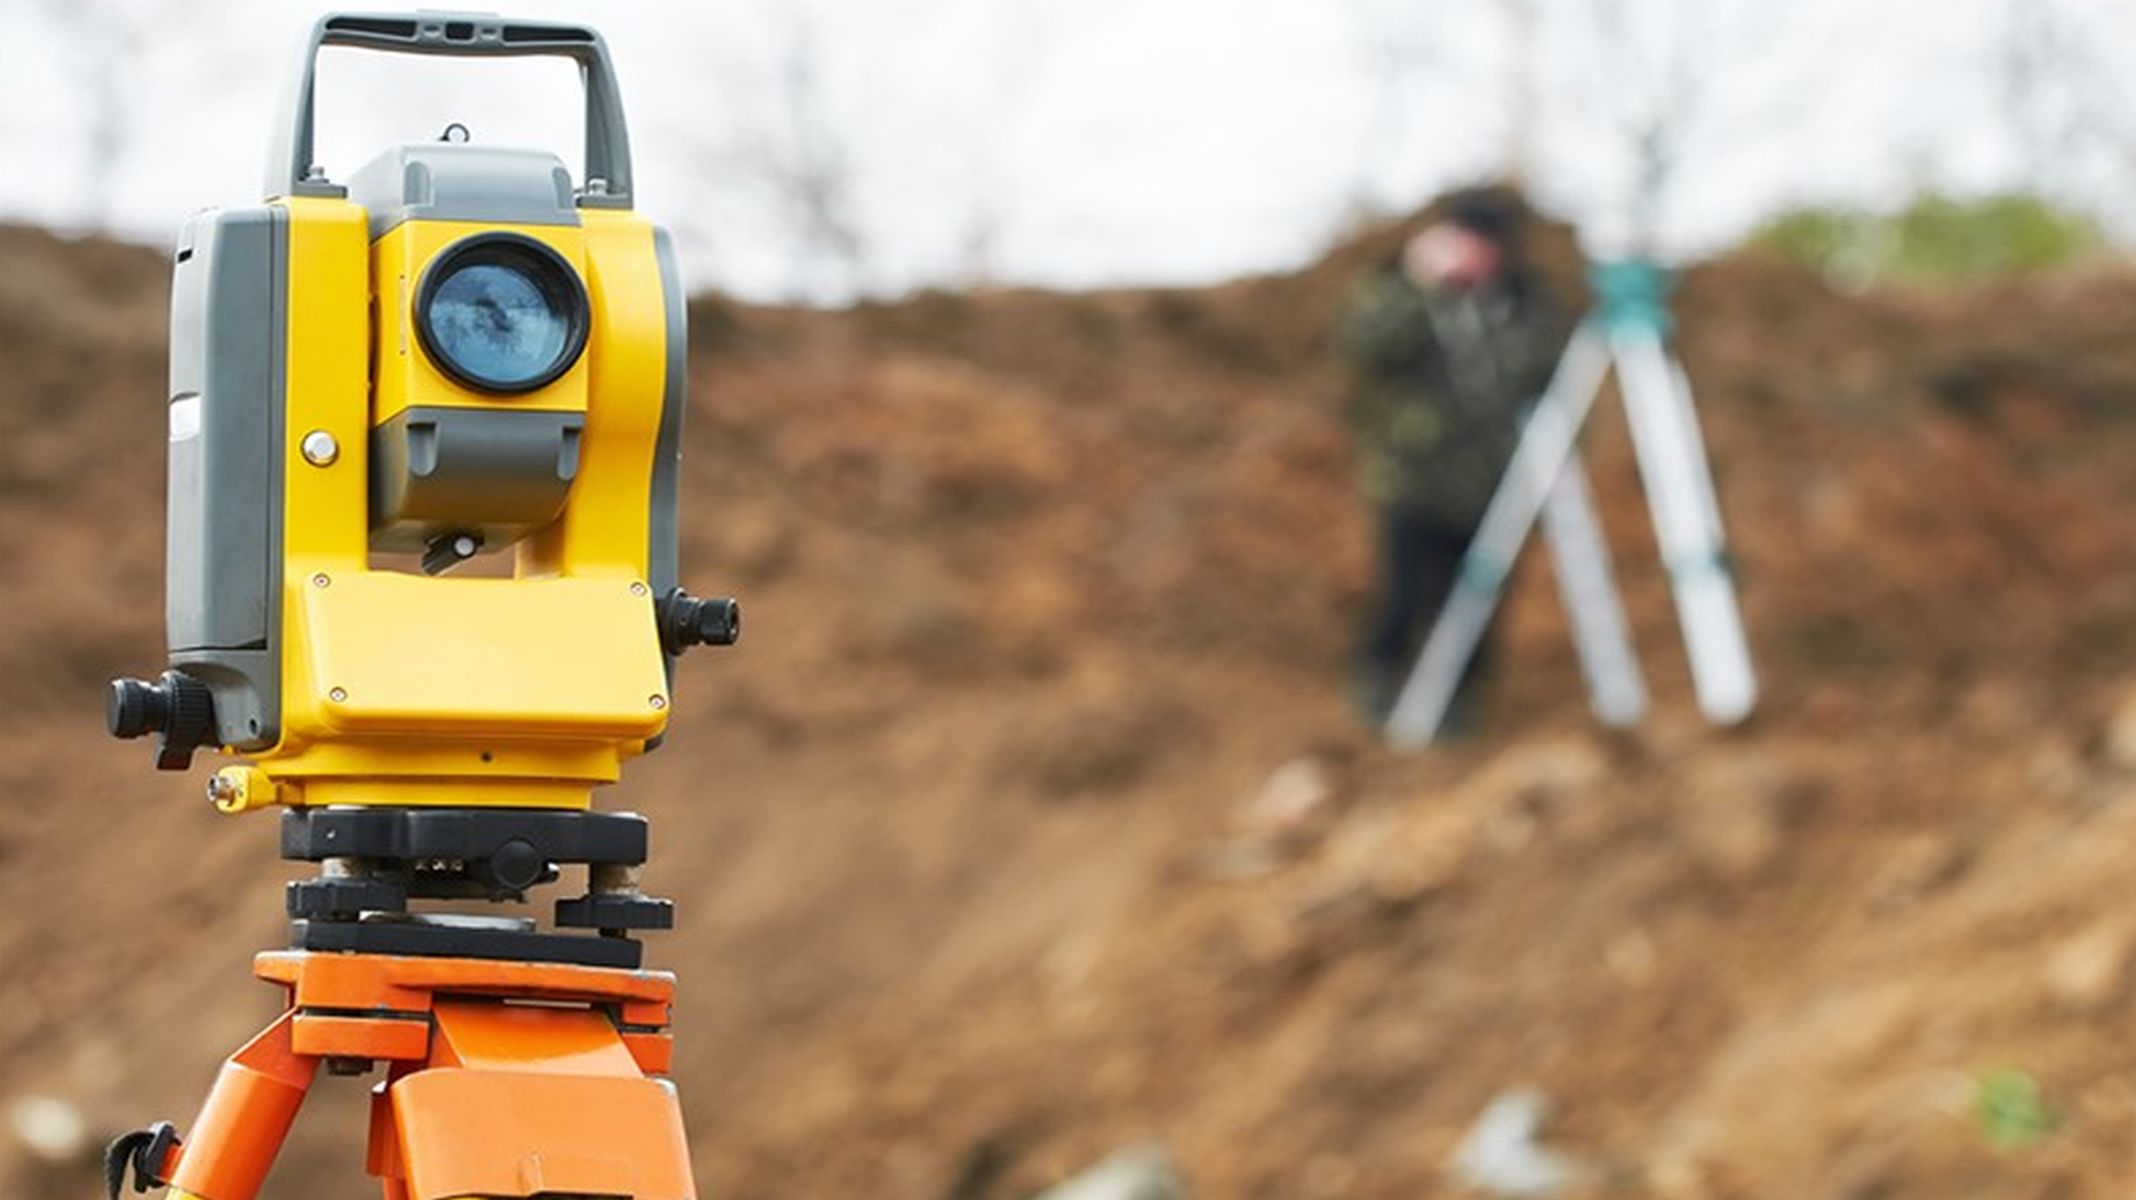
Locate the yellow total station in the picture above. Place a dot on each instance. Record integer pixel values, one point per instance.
(460, 351)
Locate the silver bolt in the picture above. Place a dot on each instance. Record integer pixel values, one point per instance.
(320, 580)
(337, 695)
(637, 589)
(615, 879)
(221, 791)
(657, 701)
(320, 449)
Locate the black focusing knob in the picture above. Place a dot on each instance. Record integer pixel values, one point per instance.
(176, 706)
(135, 708)
(687, 621)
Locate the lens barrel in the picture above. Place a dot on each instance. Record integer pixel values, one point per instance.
(501, 313)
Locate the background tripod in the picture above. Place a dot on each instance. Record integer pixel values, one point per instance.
(1628, 331)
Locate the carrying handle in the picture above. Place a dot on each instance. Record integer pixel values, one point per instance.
(606, 184)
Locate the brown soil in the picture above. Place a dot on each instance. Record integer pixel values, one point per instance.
(1043, 587)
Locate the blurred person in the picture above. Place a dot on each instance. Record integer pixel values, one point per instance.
(1449, 340)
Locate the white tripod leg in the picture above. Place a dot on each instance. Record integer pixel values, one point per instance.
(1544, 447)
(1615, 688)
(1672, 461)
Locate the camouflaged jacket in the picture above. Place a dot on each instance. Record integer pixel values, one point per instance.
(1441, 382)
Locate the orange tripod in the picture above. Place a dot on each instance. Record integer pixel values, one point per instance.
(518, 1063)
(504, 1079)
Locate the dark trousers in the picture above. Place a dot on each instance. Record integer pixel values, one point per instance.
(1419, 560)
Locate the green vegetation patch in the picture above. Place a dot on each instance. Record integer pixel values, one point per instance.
(1937, 240)
(2012, 1109)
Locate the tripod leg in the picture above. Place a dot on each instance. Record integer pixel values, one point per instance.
(518, 1100)
(1672, 462)
(1545, 445)
(247, 1116)
(1615, 688)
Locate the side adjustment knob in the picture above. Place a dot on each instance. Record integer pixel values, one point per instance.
(134, 708)
(178, 707)
(687, 621)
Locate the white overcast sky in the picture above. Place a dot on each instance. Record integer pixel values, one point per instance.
(1087, 142)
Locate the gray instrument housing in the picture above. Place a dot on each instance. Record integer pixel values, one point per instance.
(223, 519)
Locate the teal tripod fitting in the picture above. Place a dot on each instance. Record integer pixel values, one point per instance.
(1632, 294)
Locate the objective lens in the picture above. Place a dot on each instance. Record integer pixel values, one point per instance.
(502, 313)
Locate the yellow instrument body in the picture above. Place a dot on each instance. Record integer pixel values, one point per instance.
(405, 689)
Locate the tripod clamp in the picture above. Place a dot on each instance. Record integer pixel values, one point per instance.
(145, 1154)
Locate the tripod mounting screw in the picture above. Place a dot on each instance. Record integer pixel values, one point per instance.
(687, 621)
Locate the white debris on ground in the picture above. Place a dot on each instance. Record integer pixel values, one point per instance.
(1294, 802)
(1277, 822)
(51, 1129)
(1501, 1155)
(1144, 1172)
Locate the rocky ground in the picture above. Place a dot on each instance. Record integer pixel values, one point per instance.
(1030, 822)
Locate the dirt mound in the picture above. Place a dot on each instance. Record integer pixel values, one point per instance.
(1044, 588)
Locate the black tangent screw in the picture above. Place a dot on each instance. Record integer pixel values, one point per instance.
(687, 620)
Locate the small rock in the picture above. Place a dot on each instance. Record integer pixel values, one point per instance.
(2089, 973)
(51, 1129)
(1539, 772)
(1500, 1154)
(1425, 852)
(1294, 802)
(1145, 1172)
(1397, 856)
(1292, 808)
(1917, 866)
